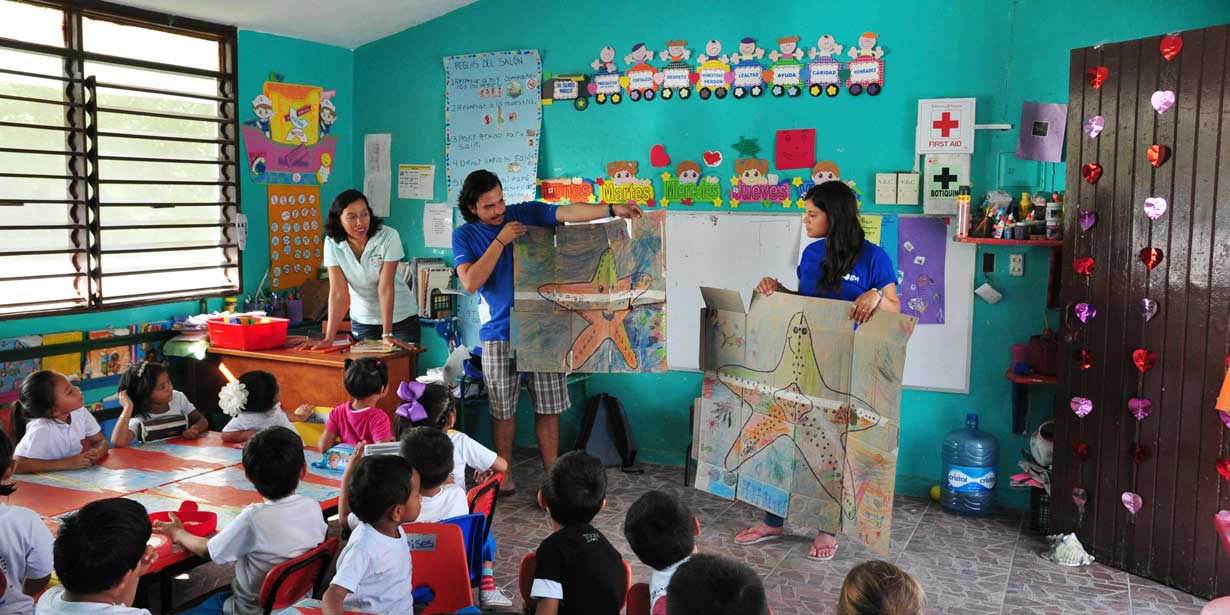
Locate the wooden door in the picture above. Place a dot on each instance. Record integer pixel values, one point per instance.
(1172, 538)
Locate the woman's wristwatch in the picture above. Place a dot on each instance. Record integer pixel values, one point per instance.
(881, 294)
(387, 336)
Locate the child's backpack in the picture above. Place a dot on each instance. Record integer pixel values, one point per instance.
(606, 433)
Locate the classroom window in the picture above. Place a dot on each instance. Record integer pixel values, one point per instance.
(119, 181)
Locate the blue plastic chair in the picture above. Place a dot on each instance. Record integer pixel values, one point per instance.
(473, 527)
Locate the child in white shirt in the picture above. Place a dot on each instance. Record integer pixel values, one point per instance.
(373, 570)
(254, 403)
(100, 555)
(431, 454)
(662, 532)
(151, 409)
(25, 544)
(61, 434)
(284, 526)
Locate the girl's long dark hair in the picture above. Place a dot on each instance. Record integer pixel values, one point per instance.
(844, 239)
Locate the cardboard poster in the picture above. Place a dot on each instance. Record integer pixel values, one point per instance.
(493, 119)
(799, 413)
(943, 175)
(296, 234)
(945, 126)
(591, 298)
(288, 140)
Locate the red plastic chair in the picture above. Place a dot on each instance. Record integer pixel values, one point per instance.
(638, 599)
(289, 581)
(438, 555)
(483, 498)
(525, 581)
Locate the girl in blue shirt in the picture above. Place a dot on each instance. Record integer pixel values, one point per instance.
(841, 265)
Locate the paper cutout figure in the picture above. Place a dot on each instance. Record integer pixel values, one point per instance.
(823, 171)
(689, 187)
(801, 418)
(754, 183)
(606, 61)
(712, 158)
(567, 190)
(824, 71)
(785, 74)
(641, 80)
(567, 87)
(677, 75)
(713, 76)
(328, 115)
(795, 149)
(747, 147)
(623, 185)
(747, 69)
(262, 108)
(867, 67)
(606, 84)
(658, 156)
(288, 141)
(594, 304)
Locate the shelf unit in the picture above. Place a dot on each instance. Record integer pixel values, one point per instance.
(989, 241)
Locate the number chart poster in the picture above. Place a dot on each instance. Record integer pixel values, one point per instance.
(295, 230)
(493, 119)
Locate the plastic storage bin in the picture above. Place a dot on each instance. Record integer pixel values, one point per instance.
(264, 332)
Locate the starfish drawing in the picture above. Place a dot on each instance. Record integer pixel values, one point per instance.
(615, 298)
(794, 414)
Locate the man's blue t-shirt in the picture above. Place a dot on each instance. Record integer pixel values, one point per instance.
(873, 269)
(470, 242)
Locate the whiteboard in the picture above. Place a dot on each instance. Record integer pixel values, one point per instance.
(735, 250)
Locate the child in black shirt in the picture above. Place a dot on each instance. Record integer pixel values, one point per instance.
(577, 572)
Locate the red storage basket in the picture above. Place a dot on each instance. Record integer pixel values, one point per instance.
(265, 332)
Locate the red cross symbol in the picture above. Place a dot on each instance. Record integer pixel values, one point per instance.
(946, 124)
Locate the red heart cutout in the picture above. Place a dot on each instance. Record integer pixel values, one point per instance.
(687, 201)
(1082, 450)
(649, 202)
(1170, 47)
(1084, 359)
(1223, 468)
(1139, 453)
(658, 156)
(1097, 76)
(1144, 359)
(599, 181)
(1157, 155)
(1084, 265)
(712, 158)
(1150, 257)
(1091, 172)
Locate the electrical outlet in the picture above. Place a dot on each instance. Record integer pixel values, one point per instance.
(1016, 265)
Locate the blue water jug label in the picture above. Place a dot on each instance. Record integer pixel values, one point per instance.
(970, 480)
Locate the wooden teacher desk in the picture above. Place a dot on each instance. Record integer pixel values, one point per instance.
(304, 376)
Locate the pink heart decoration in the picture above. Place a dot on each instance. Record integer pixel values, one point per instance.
(1162, 100)
(1087, 219)
(1131, 501)
(1082, 406)
(1155, 206)
(1094, 126)
(1140, 407)
(1225, 418)
(1085, 312)
(1148, 309)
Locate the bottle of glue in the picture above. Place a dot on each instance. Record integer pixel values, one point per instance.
(1222, 521)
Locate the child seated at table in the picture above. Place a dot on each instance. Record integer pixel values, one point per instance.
(431, 405)
(283, 527)
(25, 544)
(360, 419)
(254, 403)
(373, 569)
(100, 555)
(662, 532)
(878, 587)
(151, 409)
(715, 585)
(577, 571)
(58, 424)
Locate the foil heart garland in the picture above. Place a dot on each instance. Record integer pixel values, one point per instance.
(1162, 100)
(1092, 171)
(1094, 126)
(1087, 219)
(1223, 468)
(1140, 407)
(1139, 453)
(1151, 257)
(1097, 76)
(1155, 206)
(1085, 312)
(1084, 359)
(1171, 46)
(1157, 155)
(1131, 501)
(1147, 308)
(1084, 265)
(1082, 406)
(1144, 359)
(1081, 449)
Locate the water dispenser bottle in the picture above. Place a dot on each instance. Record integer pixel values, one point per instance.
(971, 459)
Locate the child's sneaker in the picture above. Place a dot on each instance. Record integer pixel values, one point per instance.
(494, 599)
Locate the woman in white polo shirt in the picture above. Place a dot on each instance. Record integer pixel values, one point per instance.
(361, 255)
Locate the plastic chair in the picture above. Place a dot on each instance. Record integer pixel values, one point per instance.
(638, 599)
(525, 581)
(472, 527)
(438, 556)
(289, 581)
(483, 498)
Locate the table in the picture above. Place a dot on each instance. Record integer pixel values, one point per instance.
(305, 377)
(310, 606)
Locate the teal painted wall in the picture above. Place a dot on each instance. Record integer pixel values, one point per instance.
(1002, 52)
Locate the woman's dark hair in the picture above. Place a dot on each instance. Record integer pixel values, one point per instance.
(844, 239)
(333, 220)
(38, 394)
(476, 184)
(365, 377)
(262, 390)
(139, 382)
(6, 461)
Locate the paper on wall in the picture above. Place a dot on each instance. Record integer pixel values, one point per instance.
(886, 188)
(438, 225)
(378, 191)
(376, 149)
(416, 181)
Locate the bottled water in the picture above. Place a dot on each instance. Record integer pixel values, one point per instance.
(971, 459)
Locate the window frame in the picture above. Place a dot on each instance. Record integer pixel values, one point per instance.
(82, 158)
